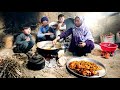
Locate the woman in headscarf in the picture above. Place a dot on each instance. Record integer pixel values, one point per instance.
(82, 41)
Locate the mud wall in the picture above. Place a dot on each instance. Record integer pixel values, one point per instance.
(98, 22)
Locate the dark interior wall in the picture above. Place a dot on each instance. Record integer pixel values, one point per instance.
(13, 20)
(1, 29)
(1, 21)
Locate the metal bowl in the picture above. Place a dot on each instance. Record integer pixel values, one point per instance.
(42, 50)
(44, 44)
(101, 72)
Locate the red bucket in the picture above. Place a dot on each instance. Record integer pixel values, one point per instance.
(108, 47)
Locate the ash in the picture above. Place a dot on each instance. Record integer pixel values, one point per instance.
(52, 63)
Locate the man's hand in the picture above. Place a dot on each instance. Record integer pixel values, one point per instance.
(82, 44)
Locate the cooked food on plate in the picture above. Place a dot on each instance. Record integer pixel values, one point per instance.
(85, 68)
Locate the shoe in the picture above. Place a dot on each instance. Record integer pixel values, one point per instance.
(16, 50)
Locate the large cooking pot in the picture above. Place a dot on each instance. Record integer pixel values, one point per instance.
(47, 47)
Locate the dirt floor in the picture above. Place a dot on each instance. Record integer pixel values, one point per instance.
(112, 65)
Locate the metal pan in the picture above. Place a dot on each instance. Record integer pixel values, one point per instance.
(101, 72)
(44, 44)
(42, 50)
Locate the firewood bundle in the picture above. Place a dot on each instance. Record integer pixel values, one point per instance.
(10, 68)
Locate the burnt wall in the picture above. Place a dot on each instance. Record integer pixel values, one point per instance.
(14, 20)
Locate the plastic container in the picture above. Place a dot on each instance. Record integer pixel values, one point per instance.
(108, 47)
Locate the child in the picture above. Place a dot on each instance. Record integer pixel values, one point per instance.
(24, 41)
(82, 41)
(61, 25)
(45, 32)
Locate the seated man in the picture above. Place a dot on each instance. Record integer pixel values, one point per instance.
(45, 32)
(24, 41)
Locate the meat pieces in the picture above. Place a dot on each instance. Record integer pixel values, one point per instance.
(85, 68)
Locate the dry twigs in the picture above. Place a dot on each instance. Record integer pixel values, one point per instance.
(10, 68)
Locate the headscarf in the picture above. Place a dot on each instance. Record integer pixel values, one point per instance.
(81, 33)
(81, 20)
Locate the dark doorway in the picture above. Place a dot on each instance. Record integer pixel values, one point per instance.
(14, 20)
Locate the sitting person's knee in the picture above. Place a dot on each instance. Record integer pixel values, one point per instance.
(92, 46)
(24, 45)
(31, 42)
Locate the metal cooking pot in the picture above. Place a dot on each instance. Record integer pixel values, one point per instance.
(47, 47)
